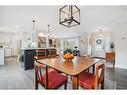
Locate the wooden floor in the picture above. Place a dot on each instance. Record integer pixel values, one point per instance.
(12, 76)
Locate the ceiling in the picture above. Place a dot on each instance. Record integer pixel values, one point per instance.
(19, 18)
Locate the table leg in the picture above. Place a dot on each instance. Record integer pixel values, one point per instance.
(46, 85)
(93, 68)
(113, 64)
(75, 82)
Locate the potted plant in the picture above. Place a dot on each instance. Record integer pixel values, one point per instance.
(69, 50)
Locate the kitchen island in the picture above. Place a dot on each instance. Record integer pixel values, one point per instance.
(27, 55)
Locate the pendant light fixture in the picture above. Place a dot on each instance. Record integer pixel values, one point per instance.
(34, 35)
(48, 30)
(69, 15)
(33, 21)
(100, 32)
(47, 38)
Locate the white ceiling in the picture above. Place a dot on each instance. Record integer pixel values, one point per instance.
(19, 18)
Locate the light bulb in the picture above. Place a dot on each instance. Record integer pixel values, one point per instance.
(33, 31)
(66, 16)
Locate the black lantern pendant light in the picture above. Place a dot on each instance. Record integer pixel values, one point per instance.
(69, 15)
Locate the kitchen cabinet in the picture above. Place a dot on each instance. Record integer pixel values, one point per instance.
(28, 59)
(42, 42)
(8, 52)
(5, 38)
(1, 56)
(110, 56)
(27, 56)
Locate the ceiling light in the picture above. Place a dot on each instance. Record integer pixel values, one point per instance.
(33, 26)
(69, 15)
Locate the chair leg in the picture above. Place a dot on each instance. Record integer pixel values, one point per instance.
(65, 85)
(113, 64)
(93, 69)
(102, 84)
(36, 78)
(71, 78)
(36, 85)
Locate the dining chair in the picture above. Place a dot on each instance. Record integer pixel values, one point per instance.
(40, 54)
(52, 53)
(89, 80)
(49, 78)
(87, 56)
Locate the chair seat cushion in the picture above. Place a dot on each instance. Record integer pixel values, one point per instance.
(55, 79)
(86, 80)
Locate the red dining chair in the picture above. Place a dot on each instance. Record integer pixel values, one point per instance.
(88, 80)
(51, 79)
(41, 54)
(52, 53)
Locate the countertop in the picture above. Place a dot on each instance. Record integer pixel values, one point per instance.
(35, 48)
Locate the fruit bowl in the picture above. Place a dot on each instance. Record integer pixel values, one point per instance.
(68, 57)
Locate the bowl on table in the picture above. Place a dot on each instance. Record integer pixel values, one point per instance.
(68, 57)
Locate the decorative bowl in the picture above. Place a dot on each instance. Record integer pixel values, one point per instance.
(68, 57)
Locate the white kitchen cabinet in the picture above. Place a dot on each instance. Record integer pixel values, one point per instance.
(5, 38)
(1, 56)
(8, 52)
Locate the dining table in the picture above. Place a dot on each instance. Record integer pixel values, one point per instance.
(72, 68)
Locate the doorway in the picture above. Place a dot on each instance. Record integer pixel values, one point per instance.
(100, 44)
(99, 47)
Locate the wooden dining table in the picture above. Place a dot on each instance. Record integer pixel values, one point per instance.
(72, 68)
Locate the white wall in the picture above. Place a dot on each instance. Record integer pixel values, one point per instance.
(120, 38)
(83, 43)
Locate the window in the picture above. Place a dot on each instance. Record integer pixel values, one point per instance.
(70, 43)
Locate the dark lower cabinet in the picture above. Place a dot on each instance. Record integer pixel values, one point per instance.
(28, 59)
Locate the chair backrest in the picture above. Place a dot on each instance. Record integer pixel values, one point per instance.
(41, 54)
(39, 73)
(53, 56)
(100, 69)
(52, 53)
